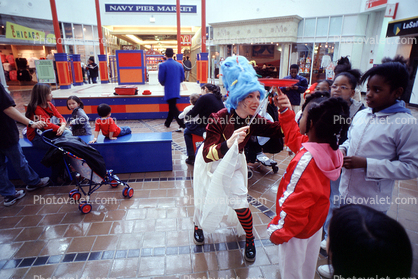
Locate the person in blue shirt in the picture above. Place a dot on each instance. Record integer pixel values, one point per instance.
(170, 75)
(293, 92)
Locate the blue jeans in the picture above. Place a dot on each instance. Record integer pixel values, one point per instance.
(124, 130)
(334, 201)
(14, 153)
(196, 130)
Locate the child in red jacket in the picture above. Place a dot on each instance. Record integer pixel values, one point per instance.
(303, 194)
(107, 125)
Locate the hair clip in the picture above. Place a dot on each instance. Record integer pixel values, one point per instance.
(232, 84)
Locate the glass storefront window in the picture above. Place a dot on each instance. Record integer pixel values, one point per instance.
(322, 27)
(324, 61)
(68, 30)
(78, 31)
(95, 33)
(309, 27)
(335, 26)
(88, 33)
(302, 56)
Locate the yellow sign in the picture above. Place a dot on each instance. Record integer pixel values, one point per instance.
(19, 32)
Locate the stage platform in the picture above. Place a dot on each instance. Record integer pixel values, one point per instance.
(124, 106)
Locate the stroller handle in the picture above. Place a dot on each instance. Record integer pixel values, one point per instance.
(48, 141)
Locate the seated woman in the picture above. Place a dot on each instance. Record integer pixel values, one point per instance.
(40, 108)
(209, 102)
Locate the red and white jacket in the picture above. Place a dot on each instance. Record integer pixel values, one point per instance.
(303, 196)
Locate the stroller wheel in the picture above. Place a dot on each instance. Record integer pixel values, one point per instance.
(250, 173)
(114, 183)
(85, 208)
(275, 169)
(76, 195)
(72, 191)
(128, 192)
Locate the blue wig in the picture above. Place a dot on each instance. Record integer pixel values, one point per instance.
(240, 79)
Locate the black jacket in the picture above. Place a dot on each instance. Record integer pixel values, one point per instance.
(78, 147)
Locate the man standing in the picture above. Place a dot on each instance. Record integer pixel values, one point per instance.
(93, 70)
(170, 75)
(10, 149)
(187, 65)
(293, 92)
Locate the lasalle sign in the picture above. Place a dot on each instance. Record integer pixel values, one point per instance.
(144, 8)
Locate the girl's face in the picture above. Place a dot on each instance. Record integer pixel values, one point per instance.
(49, 97)
(322, 86)
(249, 105)
(342, 88)
(72, 104)
(379, 95)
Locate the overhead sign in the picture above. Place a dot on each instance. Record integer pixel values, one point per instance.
(374, 3)
(19, 32)
(186, 40)
(145, 8)
(391, 10)
(45, 71)
(402, 27)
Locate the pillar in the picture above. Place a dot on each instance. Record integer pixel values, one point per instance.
(76, 70)
(63, 73)
(202, 67)
(104, 77)
(179, 58)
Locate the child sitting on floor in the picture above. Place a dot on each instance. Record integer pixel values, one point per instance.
(107, 125)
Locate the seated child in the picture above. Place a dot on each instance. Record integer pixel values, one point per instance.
(79, 124)
(189, 120)
(107, 125)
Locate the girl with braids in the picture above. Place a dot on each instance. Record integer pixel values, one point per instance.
(344, 86)
(220, 174)
(209, 102)
(303, 194)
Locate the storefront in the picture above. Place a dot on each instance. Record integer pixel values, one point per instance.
(405, 31)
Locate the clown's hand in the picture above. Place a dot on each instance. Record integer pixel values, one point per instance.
(238, 135)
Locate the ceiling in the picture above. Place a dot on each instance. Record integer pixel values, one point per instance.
(157, 37)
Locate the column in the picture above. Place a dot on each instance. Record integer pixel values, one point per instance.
(63, 73)
(76, 70)
(104, 76)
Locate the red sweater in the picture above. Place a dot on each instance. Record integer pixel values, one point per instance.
(107, 125)
(302, 201)
(45, 114)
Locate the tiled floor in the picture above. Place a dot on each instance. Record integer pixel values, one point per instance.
(150, 235)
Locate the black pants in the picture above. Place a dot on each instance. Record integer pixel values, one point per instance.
(173, 112)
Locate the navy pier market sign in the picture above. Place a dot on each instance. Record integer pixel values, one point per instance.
(144, 8)
(402, 27)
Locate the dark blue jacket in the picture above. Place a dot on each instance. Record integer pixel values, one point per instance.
(294, 95)
(170, 75)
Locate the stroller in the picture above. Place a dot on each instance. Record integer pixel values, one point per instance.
(83, 165)
(257, 145)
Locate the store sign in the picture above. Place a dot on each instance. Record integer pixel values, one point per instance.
(375, 3)
(144, 8)
(45, 71)
(402, 27)
(19, 32)
(186, 40)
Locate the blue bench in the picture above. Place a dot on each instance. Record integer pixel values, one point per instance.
(144, 152)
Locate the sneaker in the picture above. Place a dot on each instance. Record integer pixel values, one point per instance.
(44, 182)
(190, 161)
(179, 130)
(198, 237)
(11, 200)
(326, 270)
(249, 254)
(324, 244)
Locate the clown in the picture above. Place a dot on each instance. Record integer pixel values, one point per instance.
(220, 173)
